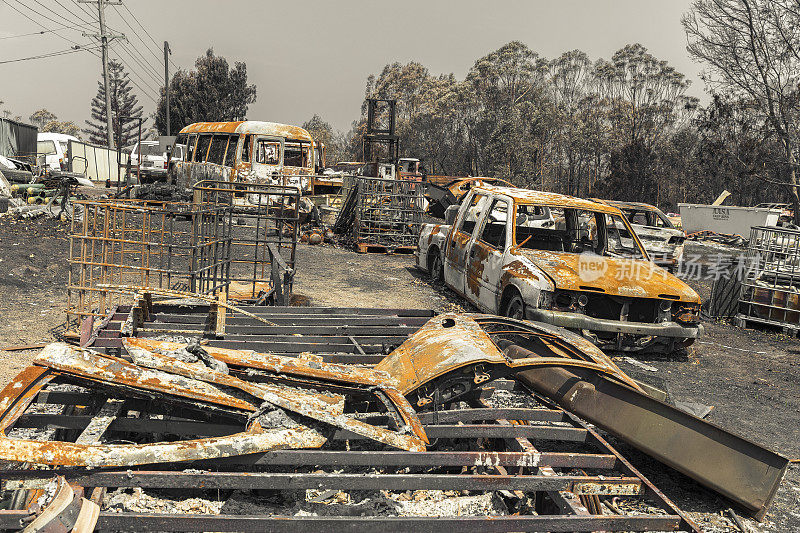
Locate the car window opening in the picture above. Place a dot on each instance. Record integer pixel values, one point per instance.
(573, 231)
(494, 231)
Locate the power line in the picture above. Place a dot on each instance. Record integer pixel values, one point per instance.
(68, 10)
(50, 54)
(146, 67)
(42, 32)
(119, 13)
(85, 9)
(144, 91)
(144, 63)
(152, 78)
(58, 22)
(147, 32)
(54, 31)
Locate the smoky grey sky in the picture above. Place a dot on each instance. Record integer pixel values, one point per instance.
(314, 56)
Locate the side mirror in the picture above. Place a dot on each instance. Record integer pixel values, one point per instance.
(450, 214)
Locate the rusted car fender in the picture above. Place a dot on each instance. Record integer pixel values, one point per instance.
(432, 239)
(527, 279)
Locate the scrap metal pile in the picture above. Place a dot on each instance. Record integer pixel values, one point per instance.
(461, 424)
(380, 214)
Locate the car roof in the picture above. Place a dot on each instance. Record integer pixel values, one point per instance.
(250, 126)
(551, 199)
(50, 136)
(628, 205)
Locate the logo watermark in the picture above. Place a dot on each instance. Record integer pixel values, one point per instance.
(691, 267)
(591, 267)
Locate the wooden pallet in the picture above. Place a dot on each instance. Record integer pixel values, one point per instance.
(366, 247)
(742, 321)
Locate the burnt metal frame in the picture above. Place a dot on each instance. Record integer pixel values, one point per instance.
(532, 472)
(375, 135)
(263, 235)
(771, 278)
(146, 243)
(502, 452)
(388, 213)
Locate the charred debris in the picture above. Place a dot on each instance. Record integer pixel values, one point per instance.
(188, 373)
(338, 409)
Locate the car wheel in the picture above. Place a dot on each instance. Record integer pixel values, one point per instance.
(515, 308)
(436, 268)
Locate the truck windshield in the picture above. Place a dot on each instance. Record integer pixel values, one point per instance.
(620, 240)
(150, 149)
(573, 231)
(45, 148)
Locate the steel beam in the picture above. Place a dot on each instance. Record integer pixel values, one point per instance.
(347, 524)
(740, 469)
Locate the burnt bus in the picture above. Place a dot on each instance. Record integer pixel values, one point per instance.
(245, 151)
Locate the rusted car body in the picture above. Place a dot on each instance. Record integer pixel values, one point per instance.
(248, 151)
(662, 240)
(561, 260)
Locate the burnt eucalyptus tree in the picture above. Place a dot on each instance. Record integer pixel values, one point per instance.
(752, 51)
(646, 102)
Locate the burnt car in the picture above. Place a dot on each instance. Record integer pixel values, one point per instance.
(561, 260)
(662, 240)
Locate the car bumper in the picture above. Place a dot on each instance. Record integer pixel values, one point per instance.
(579, 321)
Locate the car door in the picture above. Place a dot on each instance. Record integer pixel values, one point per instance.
(486, 256)
(458, 245)
(268, 152)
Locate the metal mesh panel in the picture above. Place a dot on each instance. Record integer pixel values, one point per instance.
(771, 283)
(388, 213)
(263, 234)
(147, 244)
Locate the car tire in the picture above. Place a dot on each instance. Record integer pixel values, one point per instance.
(435, 267)
(514, 307)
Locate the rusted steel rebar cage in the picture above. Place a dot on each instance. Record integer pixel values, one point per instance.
(143, 243)
(263, 236)
(388, 214)
(770, 291)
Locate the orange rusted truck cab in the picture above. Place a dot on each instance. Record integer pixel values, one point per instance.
(247, 151)
(562, 260)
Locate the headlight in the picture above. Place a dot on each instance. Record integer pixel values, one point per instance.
(545, 300)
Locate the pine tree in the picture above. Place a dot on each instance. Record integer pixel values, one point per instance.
(124, 104)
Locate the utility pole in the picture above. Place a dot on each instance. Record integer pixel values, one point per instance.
(167, 52)
(105, 38)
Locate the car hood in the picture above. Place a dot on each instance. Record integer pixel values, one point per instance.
(621, 277)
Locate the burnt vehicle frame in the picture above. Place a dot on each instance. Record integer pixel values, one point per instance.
(555, 267)
(659, 236)
(502, 458)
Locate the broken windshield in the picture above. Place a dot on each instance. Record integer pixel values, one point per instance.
(573, 231)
